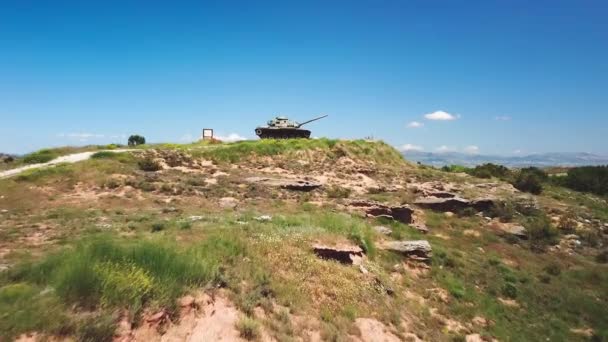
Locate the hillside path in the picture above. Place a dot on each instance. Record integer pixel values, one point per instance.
(70, 158)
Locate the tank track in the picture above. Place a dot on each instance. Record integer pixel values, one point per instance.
(282, 133)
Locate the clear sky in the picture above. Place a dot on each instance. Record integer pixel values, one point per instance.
(514, 76)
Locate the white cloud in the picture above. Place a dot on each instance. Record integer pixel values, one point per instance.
(232, 137)
(415, 124)
(517, 151)
(441, 116)
(502, 118)
(82, 137)
(410, 147)
(187, 138)
(471, 149)
(444, 148)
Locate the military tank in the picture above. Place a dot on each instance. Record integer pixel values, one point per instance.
(283, 128)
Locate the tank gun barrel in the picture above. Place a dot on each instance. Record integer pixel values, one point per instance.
(315, 119)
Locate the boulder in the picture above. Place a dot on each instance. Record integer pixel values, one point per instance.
(300, 185)
(228, 202)
(263, 218)
(346, 254)
(416, 249)
(510, 228)
(383, 230)
(285, 183)
(454, 204)
(401, 213)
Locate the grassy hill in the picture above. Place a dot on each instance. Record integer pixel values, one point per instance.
(126, 244)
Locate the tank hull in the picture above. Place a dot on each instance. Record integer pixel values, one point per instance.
(282, 133)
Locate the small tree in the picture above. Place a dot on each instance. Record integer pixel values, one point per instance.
(135, 140)
(528, 181)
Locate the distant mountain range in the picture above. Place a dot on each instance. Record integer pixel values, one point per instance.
(540, 160)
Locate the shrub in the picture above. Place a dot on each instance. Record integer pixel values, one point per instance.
(135, 140)
(103, 155)
(25, 308)
(467, 212)
(602, 257)
(490, 170)
(41, 156)
(157, 227)
(592, 179)
(540, 232)
(553, 269)
(455, 168)
(509, 290)
(148, 164)
(528, 181)
(97, 328)
(567, 223)
(248, 328)
(338, 192)
(503, 210)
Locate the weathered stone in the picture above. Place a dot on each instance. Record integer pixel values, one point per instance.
(263, 218)
(401, 213)
(416, 249)
(419, 226)
(300, 185)
(228, 202)
(454, 204)
(186, 301)
(383, 230)
(346, 254)
(286, 183)
(510, 228)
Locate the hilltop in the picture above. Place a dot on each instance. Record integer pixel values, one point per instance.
(293, 240)
(539, 160)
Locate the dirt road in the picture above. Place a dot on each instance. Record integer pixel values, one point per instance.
(70, 158)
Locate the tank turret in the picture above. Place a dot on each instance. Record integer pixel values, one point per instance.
(282, 128)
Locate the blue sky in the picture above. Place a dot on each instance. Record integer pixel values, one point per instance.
(514, 76)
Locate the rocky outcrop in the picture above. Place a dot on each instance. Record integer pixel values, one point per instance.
(401, 213)
(509, 228)
(454, 204)
(286, 183)
(417, 249)
(346, 254)
(6, 158)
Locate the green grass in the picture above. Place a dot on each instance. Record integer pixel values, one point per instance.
(35, 175)
(248, 328)
(233, 152)
(41, 156)
(106, 273)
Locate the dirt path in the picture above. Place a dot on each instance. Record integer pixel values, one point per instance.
(70, 158)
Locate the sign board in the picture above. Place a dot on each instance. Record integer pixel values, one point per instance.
(207, 134)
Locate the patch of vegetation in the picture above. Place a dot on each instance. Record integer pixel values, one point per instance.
(27, 307)
(334, 149)
(34, 175)
(148, 164)
(105, 273)
(248, 328)
(529, 180)
(122, 157)
(503, 210)
(41, 156)
(98, 327)
(456, 168)
(338, 192)
(490, 170)
(541, 232)
(593, 179)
